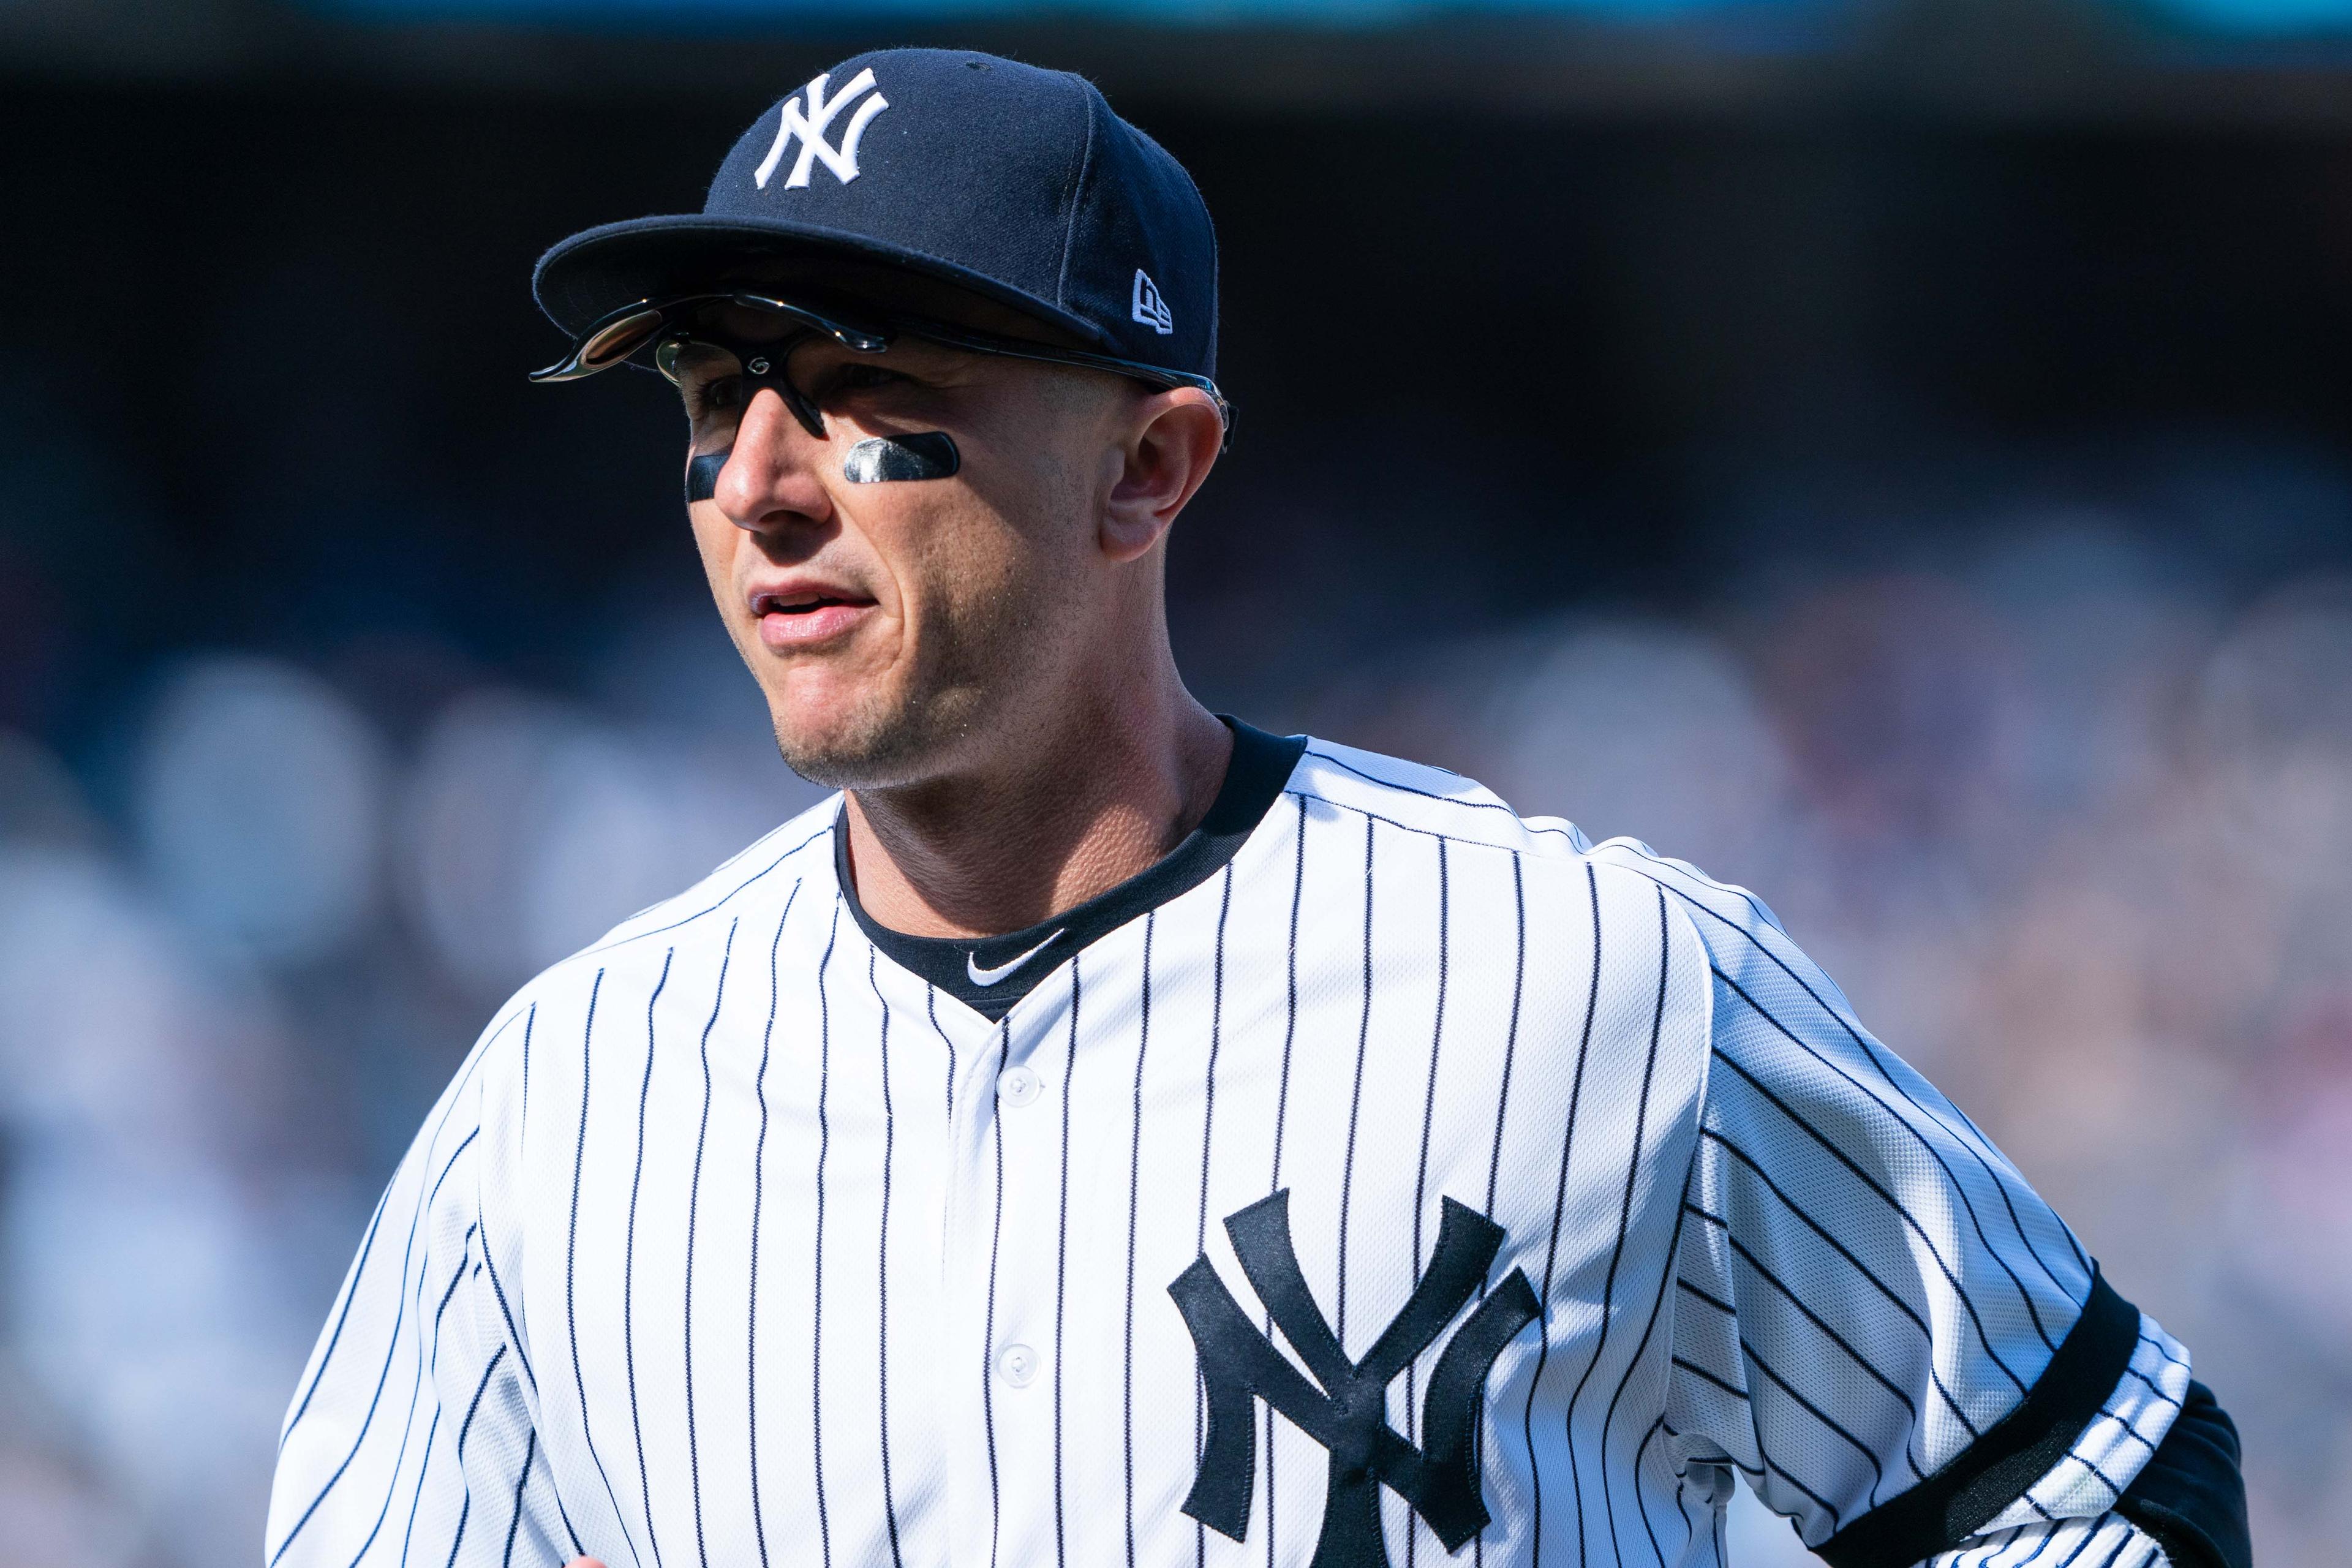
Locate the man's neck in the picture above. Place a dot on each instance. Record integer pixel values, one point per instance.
(1093, 798)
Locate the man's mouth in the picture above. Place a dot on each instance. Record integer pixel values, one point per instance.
(800, 617)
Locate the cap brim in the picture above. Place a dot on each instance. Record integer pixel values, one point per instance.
(599, 270)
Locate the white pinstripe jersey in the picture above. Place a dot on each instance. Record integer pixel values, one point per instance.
(736, 1241)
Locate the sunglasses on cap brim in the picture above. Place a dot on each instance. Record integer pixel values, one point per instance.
(619, 334)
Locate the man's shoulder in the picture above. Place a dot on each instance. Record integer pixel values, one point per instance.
(757, 881)
(776, 861)
(1423, 798)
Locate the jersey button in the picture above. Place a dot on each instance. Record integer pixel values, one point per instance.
(1017, 1364)
(1017, 1086)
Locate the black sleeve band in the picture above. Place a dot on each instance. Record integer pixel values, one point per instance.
(2016, 1451)
(2190, 1496)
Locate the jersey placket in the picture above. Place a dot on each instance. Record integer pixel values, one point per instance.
(1002, 1208)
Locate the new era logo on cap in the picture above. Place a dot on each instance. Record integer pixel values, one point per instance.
(1149, 307)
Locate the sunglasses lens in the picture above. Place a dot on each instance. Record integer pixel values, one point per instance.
(610, 344)
(605, 345)
(711, 384)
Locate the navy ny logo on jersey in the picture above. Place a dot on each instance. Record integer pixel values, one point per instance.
(1347, 1412)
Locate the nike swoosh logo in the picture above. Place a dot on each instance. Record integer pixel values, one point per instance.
(990, 976)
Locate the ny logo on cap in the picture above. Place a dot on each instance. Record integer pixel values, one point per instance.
(810, 128)
(1149, 307)
(1345, 1408)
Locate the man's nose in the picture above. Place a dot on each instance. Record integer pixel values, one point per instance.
(773, 473)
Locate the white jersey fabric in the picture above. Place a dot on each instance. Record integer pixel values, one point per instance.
(737, 1242)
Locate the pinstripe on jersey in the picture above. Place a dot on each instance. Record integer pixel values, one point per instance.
(735, 1241)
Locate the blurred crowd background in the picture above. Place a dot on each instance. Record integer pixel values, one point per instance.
(1896, 454)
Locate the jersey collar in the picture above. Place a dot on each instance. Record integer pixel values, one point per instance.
(990, 975)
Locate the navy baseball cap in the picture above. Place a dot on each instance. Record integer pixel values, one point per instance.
(935, 167)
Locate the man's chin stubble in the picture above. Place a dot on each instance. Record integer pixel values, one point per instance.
(880, 749)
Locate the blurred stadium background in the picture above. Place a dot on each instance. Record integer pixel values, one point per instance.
(1895, 453)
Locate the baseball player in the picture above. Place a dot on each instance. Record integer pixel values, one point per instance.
(1107, 1134)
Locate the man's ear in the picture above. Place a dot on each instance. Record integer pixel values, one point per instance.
(1171, 443)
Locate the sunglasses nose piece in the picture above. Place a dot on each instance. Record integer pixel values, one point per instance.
(802, 411)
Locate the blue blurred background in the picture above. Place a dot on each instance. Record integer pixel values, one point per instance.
(1895, 453)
